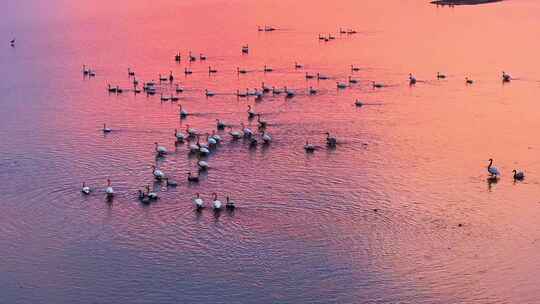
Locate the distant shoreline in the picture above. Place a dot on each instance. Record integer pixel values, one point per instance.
(463, 2)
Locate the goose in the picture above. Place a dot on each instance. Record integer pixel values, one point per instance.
(171, 77)
(354, 68)
(358, 103)
(212, 71)
(412, 79)
(220, 125)
(198, 201)
(268, 69)
(216, 204)
(262, 124)
(238, 94)
(331, 141)
(288, 93)
(158, 174)
(321, 77)
(211, 140)
(180, 137)
(377, 85)
(236, 134)
(208, 93)
(251, 113)
(308, 76)
(191, 131)
(162, 78)
(164, 98)
(266, 138)
(351, 80)
(245, 49)
(105, 129)
(203, 165)
(298, 66)
(312, 91)
(160, 150)
(276, 91)
(174, 98)
(151, 195)
(518, 175)
(468, 81)
(170, 183)
(340, 85)
(179, 89)
(130, 72)
(215, 136)
(240, 71)
(440, 76)
(202, 57)
(493, 171)
(264, 88)
(85, 189)
(229, 205)
(111, 89)
(187, 71)
(109, 190)
(192, 58)
(309, 147)
(506, 77)
(247, 131)
(193, 178)
(183, 113)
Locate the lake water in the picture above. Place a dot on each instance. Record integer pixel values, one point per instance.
(306, 229)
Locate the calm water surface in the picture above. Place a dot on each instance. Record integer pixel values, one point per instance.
(305, 230)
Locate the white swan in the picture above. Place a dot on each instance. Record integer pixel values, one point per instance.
(247, 131)
(506, 77)
(85, 189)
(191, 131)
(412, 79)
(105, 129)
(220, 125)
(198, 201)
(236, 134)
(351, 80)
(216, 204)
(203, 165)
(354, 69)
(268, 69)
(340, 85)
(312, 91)
(493, 171)
(193, 178)
(164, 98)
(179, 89)
(358, 103)
(440, 76)
(468, 81)
(151, 195)
(266, 138)
(182, 112)
(208, 93)
(309, 147)
(215, 136)
(288, 93)
(160, 150)
(321, 77)
(179, 135)
(298, 66)
(211, 140)
(331, 141)
(158, 174)
(109, 190)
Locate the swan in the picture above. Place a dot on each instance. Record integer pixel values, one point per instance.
(12, 42)
(162, 78)
(171, 77)
(229, 205)
(130, 72)
(109, 190)
(151, 195)
(468, 81)
(202, 57)
(268, 69)
(180, 137)
(84, 69)
(247, 131)
(194, 148)
(266, 138)
(85, 189)
(412, 79)
(309, 147)
(170, 183)
(440, 76)
(288, 93)
(276, 91)
(211, 71)
(183, 113)
(321, 77)
(135, 82)
(158, 174)
(506, 77)
(264, 88)
(160, 150)
(163, 98)
(220, 125)
(253, 142)
(191, 57)
(518, 175)
(193, 178)
(91, 73)
(321, 37)
(211, 140)
(198, 201)
(308, 76)
(174, 98)
(204, 150)
(351, 80)
(203, 166)
(251, 113)
(312, 91)
(350, 32)
(215, 136)
(377, 85)
(340, 85)
(241, 71)
(238, 94)
(262, 123)
(342, 31)
(187, 71)
(177, 57)
(105, 129)
(118, 90)
(179, 89)
(208, 93)
(298, 66)
(216, 204)
(330, 37)
(493, 171)
(331, 141)
(354, 69)
(111, 89)
(191, 131)
(358, 103)
(236, 134)
(245, 49)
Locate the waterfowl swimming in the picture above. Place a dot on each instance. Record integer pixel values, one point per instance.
(354, 69)
(130, 72)
(351, 80)
(164, 98)
(183, 113)
(321, 77)
(162, 78)
(85, 189)
(203, 165)
(309, 147)
(230, 205)
(160, 150)
(240, 71)
(377, 85)
(308, 76)
(297, 65)
(266, 138)
(312, 91)
(236, 134)
(171, 77)
(518, 175)
(267, 69)
(191, 57)
(220, 125)
(177, 57)
(212, 71)
(193, 178)
(331, 141)
(216, 204)
(105, 129)
(187, 71)
(245, 49)
(179, 89)
(180, 137)
(412, 79)
(358, 103)
(468, 81)
(262, 123)
(239, 94)
(288, 93)
(158, 174)
(247, 131)
(440, 76)
(251, 113)
(111, 89)
(208, 93)
(191, 131)
(493, 171)
(151, 195)
(506, 77)
(202, 57)
(264, 88)
(210, 140)
(276, 91)
(109, 190)
(340, 85)
(198, 201)
(174, 98)
(170, 183)
(215, 136)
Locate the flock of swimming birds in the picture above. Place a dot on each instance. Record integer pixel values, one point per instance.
(213, 140)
